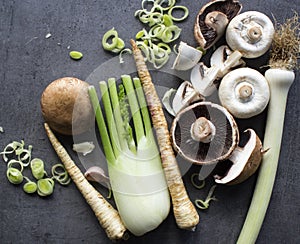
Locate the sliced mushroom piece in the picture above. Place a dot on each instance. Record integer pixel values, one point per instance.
(185, 95)
(202, 78)
(175, 100)
(204, 133)
(251, 33)
(212, 20)
(244, 92)
(187, 57)
(226, 59)
(245, 161)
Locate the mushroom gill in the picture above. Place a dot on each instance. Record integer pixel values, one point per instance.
(218, 147)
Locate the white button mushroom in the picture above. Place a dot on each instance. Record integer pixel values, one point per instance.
(244, 92)
(251, 33)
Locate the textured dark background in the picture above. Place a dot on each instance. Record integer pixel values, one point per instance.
(29, 62)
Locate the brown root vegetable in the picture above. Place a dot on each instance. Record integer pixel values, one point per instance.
(108, 217)
(184, 211)
(66, 106)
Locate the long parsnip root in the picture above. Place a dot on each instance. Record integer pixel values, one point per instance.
(108, 217)
(184, 211)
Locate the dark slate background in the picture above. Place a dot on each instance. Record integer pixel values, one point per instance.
(29, 62)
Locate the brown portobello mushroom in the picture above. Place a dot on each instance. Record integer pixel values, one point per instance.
(245, 161)
(66, 106)
(212, 20)
(204, 133)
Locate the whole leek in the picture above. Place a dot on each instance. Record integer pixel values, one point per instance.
(134, 165)
(283, 60)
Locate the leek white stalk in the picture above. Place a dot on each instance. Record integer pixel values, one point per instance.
(285, 50)
(136, 175)
(280, 82)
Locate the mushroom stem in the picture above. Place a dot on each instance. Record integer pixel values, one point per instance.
(217, 20)
(245, 91)
(203, 130)
(254, 33)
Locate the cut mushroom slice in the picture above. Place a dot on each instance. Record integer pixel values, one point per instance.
(175, 100)
(187, 57)
(204, 133)
(251, 33)
(244, 92)
(202, 78)
(212, 20)
(226, 59)
(185, 95)
(245, 161)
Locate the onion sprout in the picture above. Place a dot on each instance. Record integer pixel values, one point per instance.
(198, 186)
(205, 204)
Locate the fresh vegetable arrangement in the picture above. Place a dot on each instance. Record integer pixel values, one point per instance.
(141, 148)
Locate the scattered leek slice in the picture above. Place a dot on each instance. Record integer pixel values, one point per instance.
(76, 55)
(116, 45)
(162, 29)
(45, 187)
(183, 8)
(60, 174)
(14, 176)
(37, 168)
(30, 186)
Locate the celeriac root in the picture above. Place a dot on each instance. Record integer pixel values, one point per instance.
(184, 211)
(108, 217)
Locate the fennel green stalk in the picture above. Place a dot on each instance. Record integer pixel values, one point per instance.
(134, 165)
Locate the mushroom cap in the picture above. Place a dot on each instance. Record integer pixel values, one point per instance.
(251, 33)
(244, 92)
(66, 106)
(208, 32)
(225, 137)
(246, 161)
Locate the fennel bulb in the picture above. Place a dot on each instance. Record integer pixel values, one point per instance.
(134, 165)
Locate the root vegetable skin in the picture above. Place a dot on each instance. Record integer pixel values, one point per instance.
(184, 211)
(108, 217)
